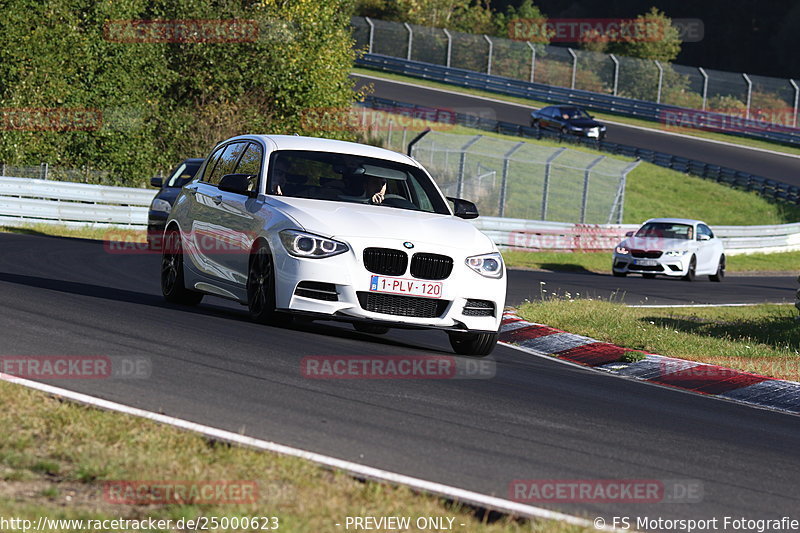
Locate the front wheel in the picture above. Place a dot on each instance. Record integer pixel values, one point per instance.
(261, 289)
(478, 344)
(690, 273)
(720, 270)
(172, 280)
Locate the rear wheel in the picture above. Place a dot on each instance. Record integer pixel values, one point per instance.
(372, 329)
(261, 289)
(720, 270)
(690, 274)
(172, 281)
(479, 344)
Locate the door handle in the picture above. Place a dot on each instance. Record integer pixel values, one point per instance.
(217, 199)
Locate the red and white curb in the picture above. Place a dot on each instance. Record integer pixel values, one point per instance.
(713, 380)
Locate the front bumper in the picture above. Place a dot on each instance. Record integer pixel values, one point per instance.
(675, 266)
(156, 224)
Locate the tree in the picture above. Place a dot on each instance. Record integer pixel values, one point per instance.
(655, 38)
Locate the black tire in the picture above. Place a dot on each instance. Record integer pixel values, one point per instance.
(720, 270)
(690, 274)
(172, 281)
(261, 289)
(564, 131)
(372, 329)
(619, 274)
(649, 276)
(476, 344)
(535, 124)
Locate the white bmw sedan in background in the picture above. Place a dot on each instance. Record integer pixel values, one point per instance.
(333, 230)
(675, 247)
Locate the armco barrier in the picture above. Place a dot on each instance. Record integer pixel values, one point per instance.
(558, 95)
(25, 201)
(532, 235)
(771, 189)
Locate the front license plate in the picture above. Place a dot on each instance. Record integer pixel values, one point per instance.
(645, 262)
(594, 132)
(410, 287)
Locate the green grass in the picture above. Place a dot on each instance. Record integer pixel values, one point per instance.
(787, 262)
(763, 339)
(99, 234)
(57, 457)
(766, 145)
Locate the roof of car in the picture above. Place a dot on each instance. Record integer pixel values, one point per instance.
(675, 221)
(319, 144)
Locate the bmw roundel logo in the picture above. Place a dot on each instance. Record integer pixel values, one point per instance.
(408, 245)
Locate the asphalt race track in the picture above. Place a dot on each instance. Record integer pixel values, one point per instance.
(535, 419)
(769, 165)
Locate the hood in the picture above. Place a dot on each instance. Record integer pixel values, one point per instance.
(339, 220)
(656, 243)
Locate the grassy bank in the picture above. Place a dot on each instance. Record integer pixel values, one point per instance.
(733, 139)
(57, 459)
(763, 339)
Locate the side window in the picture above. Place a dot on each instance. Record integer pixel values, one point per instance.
(250, 163)
(226, 163)
(212, 162)
(702, 229)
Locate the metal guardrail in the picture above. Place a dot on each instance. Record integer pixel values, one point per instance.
(532, 235)
(770, 189)
(558, 95)
(25, 201)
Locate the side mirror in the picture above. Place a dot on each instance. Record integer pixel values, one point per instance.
(703, 237)
(158, 181)
(235, 183)
(463, 208)
(629, 234)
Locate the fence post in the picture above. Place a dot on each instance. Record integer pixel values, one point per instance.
(749, 94)
(389, 136)
(2, 169)
(504, 182)
(449, 45)
(585, 198)
(660, 80)
(574, 66)
(371, 33)
(533, 58)
(620, 199)
(410, 39)
(705, 86)
(462, 164)
(44, 171)
(616, 72)
(796, 98)
(489, 60)
(546, 187)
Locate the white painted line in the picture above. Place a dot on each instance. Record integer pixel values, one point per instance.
(671, 306)
(643, 128)
(355, 469)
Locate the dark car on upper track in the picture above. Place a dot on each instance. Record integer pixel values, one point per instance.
(569, 120)
(161, 205)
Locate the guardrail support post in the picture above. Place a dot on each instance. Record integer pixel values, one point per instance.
(546, 186)
(749, 94)
(371, 33)
(449, 46)
(462, 163)
(796, 98)
(585, 198)
(489, 59)
(705, 86)
(410, 39)
(44, 171)
(504, 182)
(660, 80)
(574, 66)
(533, 58)
(616, 72)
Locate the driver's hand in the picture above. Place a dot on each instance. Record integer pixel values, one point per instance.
(377, 198)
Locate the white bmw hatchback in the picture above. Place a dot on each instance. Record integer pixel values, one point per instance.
(329, 229)
(676, 247)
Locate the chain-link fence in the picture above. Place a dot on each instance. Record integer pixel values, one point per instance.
(522, 180)
(773, 100)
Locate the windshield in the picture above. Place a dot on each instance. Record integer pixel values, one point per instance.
(352, 179)
(573, 113)
(183, 174)
(665, 230)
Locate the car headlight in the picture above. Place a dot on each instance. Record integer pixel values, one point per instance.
(488, 265)
(301, 244)
(576, 128)
(621, 250)
(161, 205)
(676, 253)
